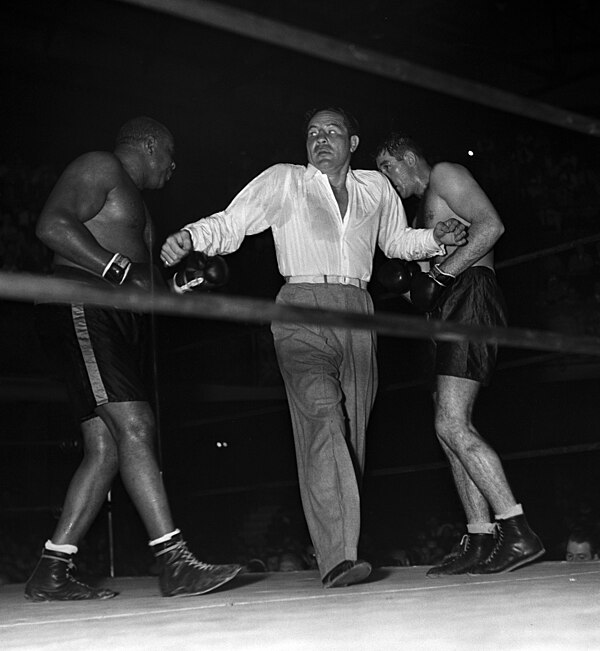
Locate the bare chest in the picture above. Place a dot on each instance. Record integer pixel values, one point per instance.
(123, 223)
(341, 197)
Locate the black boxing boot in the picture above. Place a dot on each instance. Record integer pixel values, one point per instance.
(182, 575)
(474, 548)
(516, 545)
(52, 581)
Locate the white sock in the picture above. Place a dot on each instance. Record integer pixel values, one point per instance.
(164, 538)
(517, 509)
(65, 549)
(481, 527)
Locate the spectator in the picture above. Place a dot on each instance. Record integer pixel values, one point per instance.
(581, 546)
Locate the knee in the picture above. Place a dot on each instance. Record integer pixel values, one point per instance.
(450, 429)
(103, 452)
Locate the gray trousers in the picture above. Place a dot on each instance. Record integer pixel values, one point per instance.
(330, 376)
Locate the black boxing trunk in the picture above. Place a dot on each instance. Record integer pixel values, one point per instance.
(100, 353)
(474, 299)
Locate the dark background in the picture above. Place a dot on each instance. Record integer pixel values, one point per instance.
(73, 72)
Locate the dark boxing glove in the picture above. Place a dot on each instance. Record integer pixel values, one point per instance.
(395, 275)
(426, 289)
(200, 273)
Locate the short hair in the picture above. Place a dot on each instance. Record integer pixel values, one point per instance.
(397, 144)
(350, 122)
(580, 535)
(136, 130)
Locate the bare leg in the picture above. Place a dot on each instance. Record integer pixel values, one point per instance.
(90, 483)
(474, 503)
(133, 427)
(481, 467)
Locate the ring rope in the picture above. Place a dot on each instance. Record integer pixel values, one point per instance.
(541, 253)
(281, 34)
(34, 287)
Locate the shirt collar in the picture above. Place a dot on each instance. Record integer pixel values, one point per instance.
(312, 171)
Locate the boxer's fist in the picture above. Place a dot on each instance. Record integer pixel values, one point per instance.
(200, 273)
(395, 276)
(426, 289)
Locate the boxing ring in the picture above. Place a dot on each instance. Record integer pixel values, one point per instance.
(548, 605)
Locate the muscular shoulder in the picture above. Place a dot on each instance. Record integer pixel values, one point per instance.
(96, 167)
(448, 174)
(452, 185)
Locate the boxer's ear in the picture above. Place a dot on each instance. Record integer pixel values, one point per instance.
(410, 158)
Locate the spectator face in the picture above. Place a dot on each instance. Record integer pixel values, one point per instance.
(579, 552)
(290, 563)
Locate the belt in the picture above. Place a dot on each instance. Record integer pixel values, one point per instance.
(328, 279)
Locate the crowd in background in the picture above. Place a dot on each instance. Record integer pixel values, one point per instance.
(23, 191)
(284, 545)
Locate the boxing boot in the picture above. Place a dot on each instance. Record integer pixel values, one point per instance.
(182, 575)
(516, 545)
(52, 581)
(474, 548)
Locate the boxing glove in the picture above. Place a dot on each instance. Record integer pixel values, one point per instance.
(426, 289)
(395, 275)
(200, 273)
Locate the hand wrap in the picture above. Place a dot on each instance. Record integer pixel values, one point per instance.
(117, 269)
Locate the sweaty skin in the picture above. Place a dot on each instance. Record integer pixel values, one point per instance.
(447, 190)
(96, 207)
(443, 198)
(95, 210)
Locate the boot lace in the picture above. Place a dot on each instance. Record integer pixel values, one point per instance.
(185, 555)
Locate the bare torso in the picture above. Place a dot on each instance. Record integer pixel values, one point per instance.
(119, 220)
(433, 209)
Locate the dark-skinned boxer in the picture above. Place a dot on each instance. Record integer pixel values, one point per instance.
(99, 228)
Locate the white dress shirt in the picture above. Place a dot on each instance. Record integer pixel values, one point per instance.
(311, 236)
